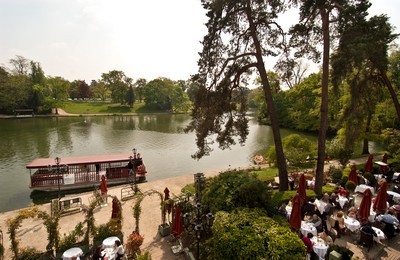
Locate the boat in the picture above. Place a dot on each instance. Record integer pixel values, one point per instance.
(70, 173)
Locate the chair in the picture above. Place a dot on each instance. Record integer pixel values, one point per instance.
(366, 239)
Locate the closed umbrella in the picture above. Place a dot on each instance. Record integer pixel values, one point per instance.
(177, 226)
(353, 175)
(295, 216)
(365, 206)
(369, 164)
(381, 198)
(115, 209)
(301, 189)
(384, 168)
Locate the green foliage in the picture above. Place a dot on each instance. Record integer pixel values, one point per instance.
(344, 180)
(296, 149)
(350, 185)
(233, 189)
(144, 256)
(280, 197)
(336, 150)
(391, 139)
(249, 234)
(68, 241)
(369, 176)
(335, 174)
(328, 189)
(30, 253)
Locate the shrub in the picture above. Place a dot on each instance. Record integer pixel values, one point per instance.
(133, 243)
(369, 176)
(280, 197)
(345, 252)
(350, 186)
(67, 241)
(30, 253)
(335, 173)
(344, 180)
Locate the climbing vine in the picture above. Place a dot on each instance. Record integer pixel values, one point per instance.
(50, 222)
(137, 209)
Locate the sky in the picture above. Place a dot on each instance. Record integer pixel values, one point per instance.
(81, 39)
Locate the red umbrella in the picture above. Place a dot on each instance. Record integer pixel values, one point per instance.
(177, 226)
(381, 198)
(384, 168)
(115, 208)
(295, 216)
(365, 206)
(301, 189)
(103, 185)
(369, 164)
(353, 175)
(166, 198)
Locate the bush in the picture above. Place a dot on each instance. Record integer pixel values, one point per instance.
(29, 253)
(350, 186)
(335, 174)
(68, 241)
(369, 176)
(344, 180)
(280, 197)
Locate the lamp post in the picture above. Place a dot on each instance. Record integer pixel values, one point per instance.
(199, 185)
(58, 161)
(133, 169)
(200, 223)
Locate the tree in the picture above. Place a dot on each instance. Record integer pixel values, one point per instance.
(116, 82)
(291, 71)
(158, 93)
(139, 85)
(317, 21)
(100, 89)
(240, 35)
(20, 64)
(59, 89)
(84, 90)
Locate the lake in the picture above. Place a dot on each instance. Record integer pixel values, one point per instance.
(159, 138)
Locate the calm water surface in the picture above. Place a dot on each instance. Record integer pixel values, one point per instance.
(166, 150)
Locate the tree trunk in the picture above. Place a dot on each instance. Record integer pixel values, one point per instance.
(365, 149)
(280, 157)
(319, 177)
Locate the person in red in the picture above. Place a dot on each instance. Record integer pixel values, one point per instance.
(309, 244)
(103, 188)
(342, 192)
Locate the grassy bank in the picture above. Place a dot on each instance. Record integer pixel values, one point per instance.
(103, 107)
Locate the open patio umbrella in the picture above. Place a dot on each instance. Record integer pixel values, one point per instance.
(177, 226)
(353, 175)
(381, 198)
(384, 168)
(301, 189)
(103, 185)
(295, 216)
(365, 206)
(369, 165)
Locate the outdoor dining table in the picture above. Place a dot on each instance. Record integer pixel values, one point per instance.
(109, 242)
(72, 253)
(362, 187)
(396, 176)
(308, 228)
(320, 205)
(396, 196)
(352, 224)
(380, 235)
(342, 201)
(109, 253)
(319, 247)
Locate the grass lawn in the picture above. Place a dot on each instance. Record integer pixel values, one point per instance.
(101, 107)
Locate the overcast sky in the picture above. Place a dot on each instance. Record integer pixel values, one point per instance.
(81, 39)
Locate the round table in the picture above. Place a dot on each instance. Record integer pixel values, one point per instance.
(396, 196)
(308, 228)
(72, 253)
(380, 235)
(320, 205)
(319, 247)
(362, 187)
(109, 242)
(352, 224)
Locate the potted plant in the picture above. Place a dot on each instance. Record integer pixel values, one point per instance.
(133, 243)
(165, 228)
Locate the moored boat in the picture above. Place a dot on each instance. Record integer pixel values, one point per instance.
(69, 173)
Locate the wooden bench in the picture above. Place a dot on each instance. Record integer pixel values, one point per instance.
(25, 112)
(70, 206)
(127, 193)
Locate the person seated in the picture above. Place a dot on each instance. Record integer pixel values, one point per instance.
(326, 237)
(342, 192)
(390, 222)
(309, 244)
(282, 210)
(352, 213)
(97, 254)
(339, 223)
(333, 199)
(368, 229)
(316, 222)
(118, 250)
(308, 208)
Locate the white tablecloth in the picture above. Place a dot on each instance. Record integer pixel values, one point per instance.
(396, 196)
(352, 224)
(362, 187)
(396, 175)
(71, 253)
(342, 200)
(319, 247)
(380, 235)
(308, 228)
(378, 176)
(109, 253)
(109, 242)
(372, 215)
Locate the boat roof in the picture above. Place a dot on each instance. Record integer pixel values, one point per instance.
(79, 160)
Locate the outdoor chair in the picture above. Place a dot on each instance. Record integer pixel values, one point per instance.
(366, 239)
